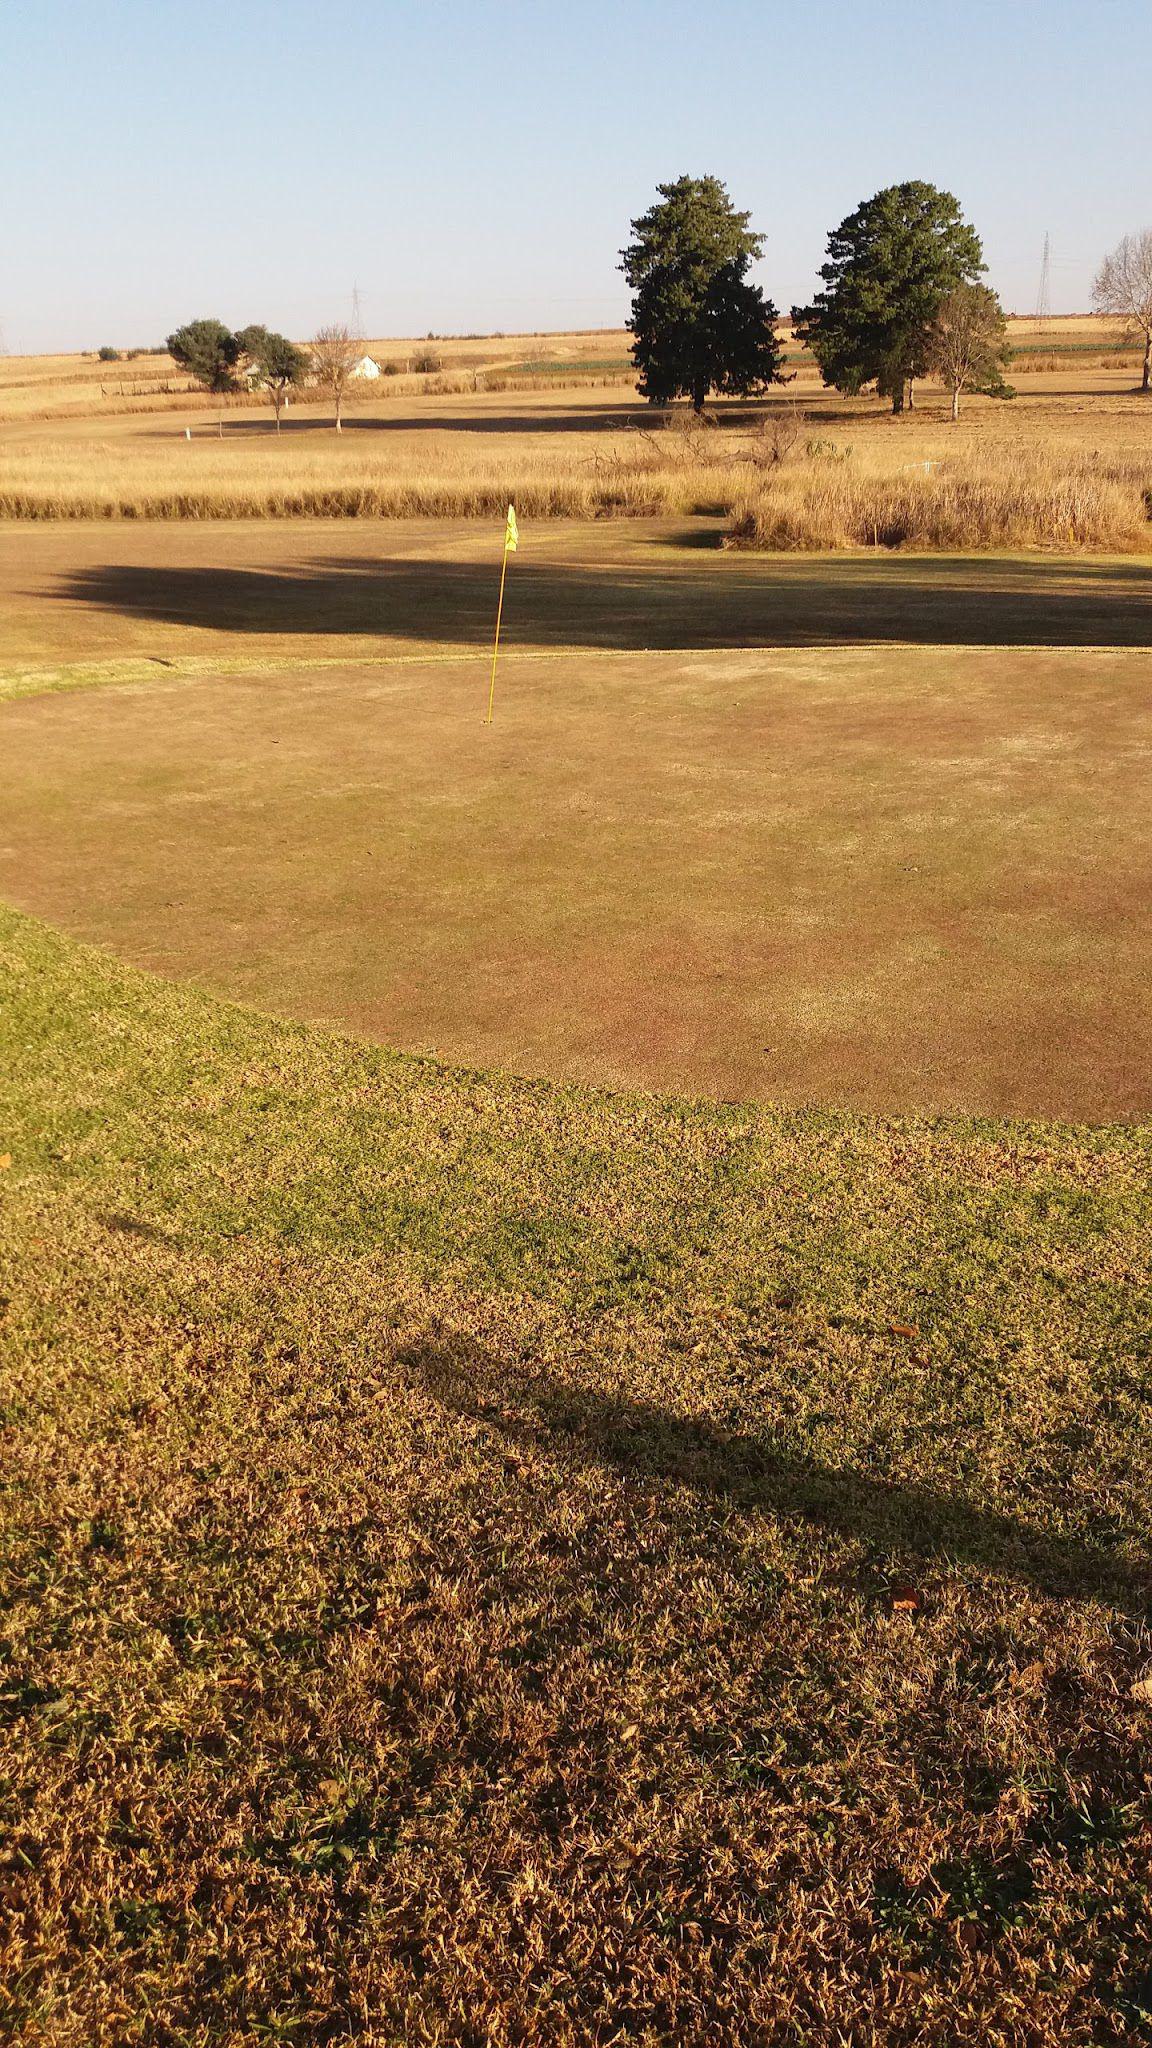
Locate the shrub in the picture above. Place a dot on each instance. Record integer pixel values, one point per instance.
(107, 355)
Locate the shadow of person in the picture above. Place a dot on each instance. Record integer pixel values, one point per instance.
(752, 1471)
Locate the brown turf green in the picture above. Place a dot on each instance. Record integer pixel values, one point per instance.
(306, 589)
(892, 878)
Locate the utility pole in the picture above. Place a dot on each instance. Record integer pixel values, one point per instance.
(1044, 295)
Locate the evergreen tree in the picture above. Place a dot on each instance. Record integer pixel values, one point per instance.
(890, 266)
(208, 351)
(698, 324)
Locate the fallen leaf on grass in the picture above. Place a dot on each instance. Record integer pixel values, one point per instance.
(1142, 1691)
(5, 1160)
(904, 1329)
(905, 1600)
(1028, 1677)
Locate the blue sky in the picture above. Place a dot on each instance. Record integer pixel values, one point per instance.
(475, 166)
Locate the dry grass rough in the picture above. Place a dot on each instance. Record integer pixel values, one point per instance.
(1016, 502)
(487, 1565)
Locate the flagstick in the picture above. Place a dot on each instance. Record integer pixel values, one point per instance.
(496, 642)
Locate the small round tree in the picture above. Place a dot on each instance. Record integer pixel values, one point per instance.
(209, 351)
(968, 344)
(335, 354)
(276, 363)
(698, 324)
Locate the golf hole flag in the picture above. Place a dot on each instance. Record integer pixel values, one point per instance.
(511, 541)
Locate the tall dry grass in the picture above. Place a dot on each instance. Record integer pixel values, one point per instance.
(331, 480)
(1016, 501)
(781, 485)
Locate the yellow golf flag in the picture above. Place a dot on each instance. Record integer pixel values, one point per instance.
(511, 536)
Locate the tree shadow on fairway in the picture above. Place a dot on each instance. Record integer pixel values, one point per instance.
(685, 601)
(454, 420)
(752, 1472)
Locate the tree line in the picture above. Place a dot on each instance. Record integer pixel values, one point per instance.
(222, 361)
(902, 297)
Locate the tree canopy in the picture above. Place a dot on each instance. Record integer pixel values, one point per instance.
(278, 363)
(1123, 287)
(968, 344)
(890, 266)
(209, 351)
(335, 353)
(698, 324)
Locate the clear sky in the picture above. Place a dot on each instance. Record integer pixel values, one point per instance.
(474, 166)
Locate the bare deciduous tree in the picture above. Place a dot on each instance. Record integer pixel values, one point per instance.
(335, 354)
(967, 344)
(1123, 288)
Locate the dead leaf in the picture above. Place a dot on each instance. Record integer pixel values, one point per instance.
(1142, 1691)
(1028, 1678)
(904, 1329)
(5, 1161)
(905, 1600)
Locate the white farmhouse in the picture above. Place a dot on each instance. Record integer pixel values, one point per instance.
(365, 368)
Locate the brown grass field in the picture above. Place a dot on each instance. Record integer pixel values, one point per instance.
(550, 422)
(492, 1559)
(757, 833)
(80, 386)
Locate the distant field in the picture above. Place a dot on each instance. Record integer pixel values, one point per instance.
(555, 423)
(45, 387)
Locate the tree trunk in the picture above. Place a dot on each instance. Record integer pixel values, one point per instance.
(955, 401)
(699, 393)
(898, 395)
(338, 427)
(911, 399)
(1146, 384)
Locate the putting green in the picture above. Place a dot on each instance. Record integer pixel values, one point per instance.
(902, 878)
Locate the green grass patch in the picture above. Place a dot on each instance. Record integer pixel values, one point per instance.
(552, 366)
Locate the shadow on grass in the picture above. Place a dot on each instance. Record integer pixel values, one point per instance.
(647, 1443)
(455, 419)
(684, 601)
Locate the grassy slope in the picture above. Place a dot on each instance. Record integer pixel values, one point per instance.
(450, 1533)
